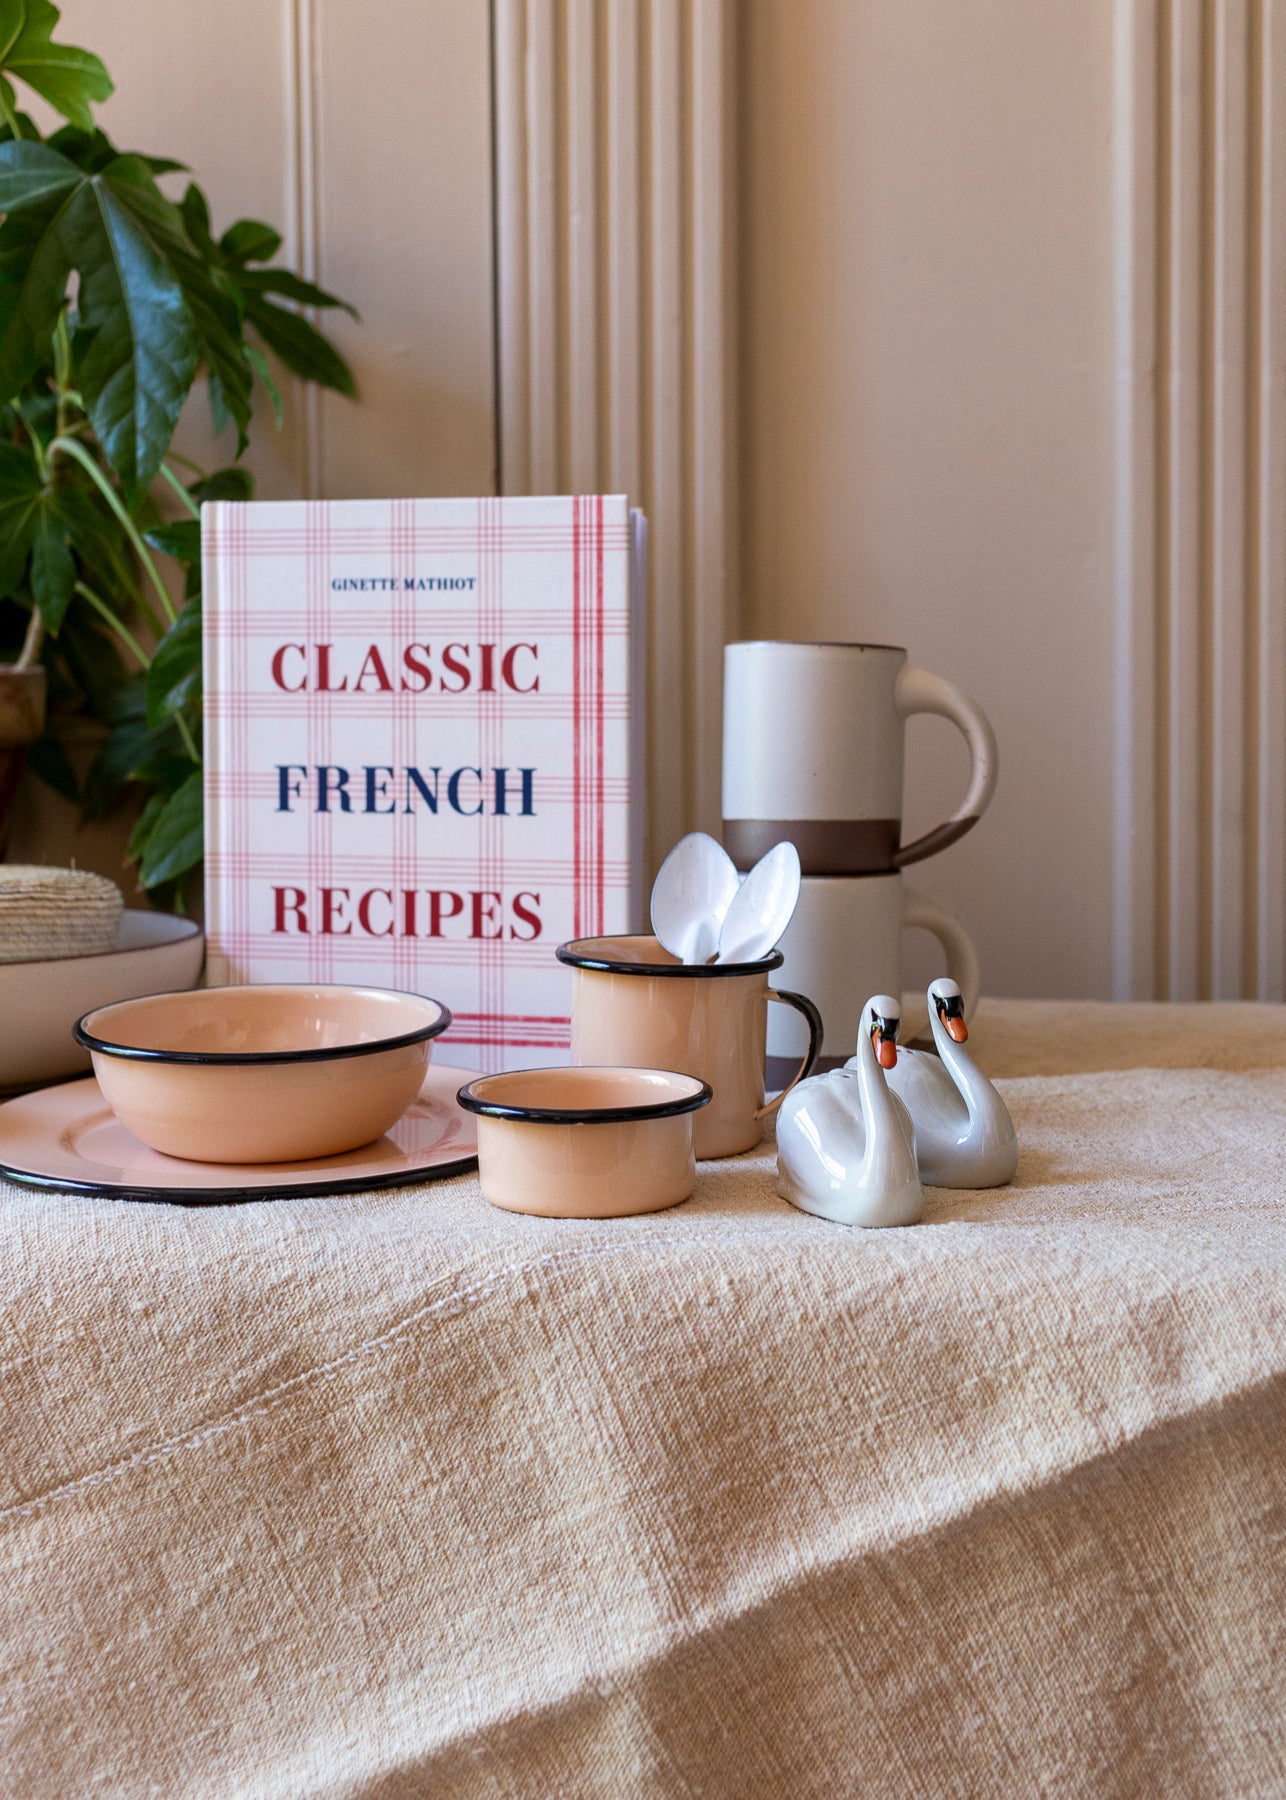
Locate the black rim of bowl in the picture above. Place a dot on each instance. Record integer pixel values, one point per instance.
(472, 1102)
(575, 958)
(226, 1059)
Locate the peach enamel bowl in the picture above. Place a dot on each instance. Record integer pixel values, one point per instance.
(262, 1074)
(586, 1143)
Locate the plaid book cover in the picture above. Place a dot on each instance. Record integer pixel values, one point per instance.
(422, 750)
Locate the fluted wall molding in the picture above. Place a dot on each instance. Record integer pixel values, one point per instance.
(1200, 826)
(613, 247)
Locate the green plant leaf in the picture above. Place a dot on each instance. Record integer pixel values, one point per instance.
(195, 209)
(224, 484)
(35, 523)
(222, 351)
(214, 308)
(127, 701)
(174, 679)
(31, 174)
(69, 79)
(145, 824)
(95, 536)
(87, 658)
(13, 16)
(20, 487)
(143, 350)
(249, 241)
(181, 540)
(259, 363)
(290, 286)
(53, 569)
(90, 150)
(165, 771)
(33, 283)
(299, 345)
(136, 346)
(176, 840)
(220, 417)
(49, 762)
(126, 748)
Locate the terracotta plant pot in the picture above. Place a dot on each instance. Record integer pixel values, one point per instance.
(22, 719)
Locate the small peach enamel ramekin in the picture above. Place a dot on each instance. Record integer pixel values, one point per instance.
(272, 1074)
(586, 1143)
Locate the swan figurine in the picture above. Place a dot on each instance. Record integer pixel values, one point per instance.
(845, 1144)
(964, 1136)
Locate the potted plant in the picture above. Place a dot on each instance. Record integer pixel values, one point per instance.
(114, 300)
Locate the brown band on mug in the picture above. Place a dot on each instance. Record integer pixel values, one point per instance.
(934, 840)
(825, 846)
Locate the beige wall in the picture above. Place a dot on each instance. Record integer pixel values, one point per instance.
(926, 394)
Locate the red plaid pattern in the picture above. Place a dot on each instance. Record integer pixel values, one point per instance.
(407, 888)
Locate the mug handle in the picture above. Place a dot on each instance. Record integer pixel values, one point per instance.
(920, 909)
(813, 1019)
(919, 691)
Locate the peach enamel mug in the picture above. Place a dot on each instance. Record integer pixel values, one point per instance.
(634, 1003)
(271, 1074)
(586, 1143)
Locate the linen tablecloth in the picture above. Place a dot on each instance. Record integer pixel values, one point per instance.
(399, 1495)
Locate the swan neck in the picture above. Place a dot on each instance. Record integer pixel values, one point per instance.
(876, 1098)
(975, 1089)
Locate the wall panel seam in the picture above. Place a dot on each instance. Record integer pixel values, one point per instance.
(1199, 474)
(613, 225)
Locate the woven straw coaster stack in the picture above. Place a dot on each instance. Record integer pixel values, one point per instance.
(47, 913)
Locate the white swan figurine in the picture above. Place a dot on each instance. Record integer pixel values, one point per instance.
(845, 1144)
(964, 1136)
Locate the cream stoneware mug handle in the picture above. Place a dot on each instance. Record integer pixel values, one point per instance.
(802, 1004)
(923, 911)
(918, 691)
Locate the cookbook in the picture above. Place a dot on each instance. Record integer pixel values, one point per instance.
(423, 750)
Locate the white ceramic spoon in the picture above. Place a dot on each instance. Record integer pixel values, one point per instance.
(693, 889)
(762, 907)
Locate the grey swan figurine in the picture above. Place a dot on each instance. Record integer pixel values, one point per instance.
(845, 1143)
(964, 1136)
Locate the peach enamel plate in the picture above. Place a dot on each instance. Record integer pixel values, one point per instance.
(67, 1140)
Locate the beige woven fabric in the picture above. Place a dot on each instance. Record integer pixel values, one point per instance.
(50, 913)
(399, 1495)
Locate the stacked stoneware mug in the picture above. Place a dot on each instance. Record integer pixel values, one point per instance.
(813, 739)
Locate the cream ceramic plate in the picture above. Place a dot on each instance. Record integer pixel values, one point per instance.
(68, 1139)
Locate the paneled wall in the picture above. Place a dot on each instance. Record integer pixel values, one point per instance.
(1201, 472)
(926, 394)
(614, 224)
(1013, 300)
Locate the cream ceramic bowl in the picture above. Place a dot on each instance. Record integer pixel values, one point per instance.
(262, 1074)
(586, 1143)
(41, 1000)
